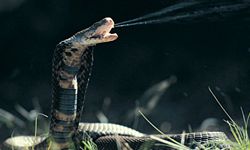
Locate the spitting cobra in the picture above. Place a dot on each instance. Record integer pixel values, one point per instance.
(71, 70)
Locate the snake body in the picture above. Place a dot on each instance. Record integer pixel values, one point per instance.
(71, 70)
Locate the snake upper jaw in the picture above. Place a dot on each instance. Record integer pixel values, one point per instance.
(99, 32)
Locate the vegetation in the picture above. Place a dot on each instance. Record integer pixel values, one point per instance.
(239, 133)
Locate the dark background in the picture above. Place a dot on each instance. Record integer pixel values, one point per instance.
(199, 53)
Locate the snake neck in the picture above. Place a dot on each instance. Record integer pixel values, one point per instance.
(71, 69)
(71, 62)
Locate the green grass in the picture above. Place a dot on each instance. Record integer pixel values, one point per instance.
(180, 145)
(240, 133)
(240, 140)
(89, 145)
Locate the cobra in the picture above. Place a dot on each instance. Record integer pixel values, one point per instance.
(71, 70)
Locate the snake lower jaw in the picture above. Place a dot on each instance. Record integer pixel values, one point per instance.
(109, 37)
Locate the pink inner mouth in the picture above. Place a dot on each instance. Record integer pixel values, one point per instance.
(103, 31)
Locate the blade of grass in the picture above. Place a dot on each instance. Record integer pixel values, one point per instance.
(171, 139)
(36, 126)
(220, 104)
(36, 121)
(239, 133)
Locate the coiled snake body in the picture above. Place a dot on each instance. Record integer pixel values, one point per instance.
(71, 69)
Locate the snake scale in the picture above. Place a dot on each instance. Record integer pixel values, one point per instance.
(71, 70)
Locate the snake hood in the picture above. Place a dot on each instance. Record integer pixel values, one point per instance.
(71, 69)
(99, 32)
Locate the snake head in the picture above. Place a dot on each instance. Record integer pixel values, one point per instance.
(99, 32)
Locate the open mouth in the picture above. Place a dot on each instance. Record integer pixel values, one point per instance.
(103, 30)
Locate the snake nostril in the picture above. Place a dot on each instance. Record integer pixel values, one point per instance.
(109, 20)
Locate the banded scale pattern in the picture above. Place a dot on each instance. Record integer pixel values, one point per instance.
(71, 70)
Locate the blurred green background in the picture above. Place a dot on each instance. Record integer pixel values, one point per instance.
(199, 54)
